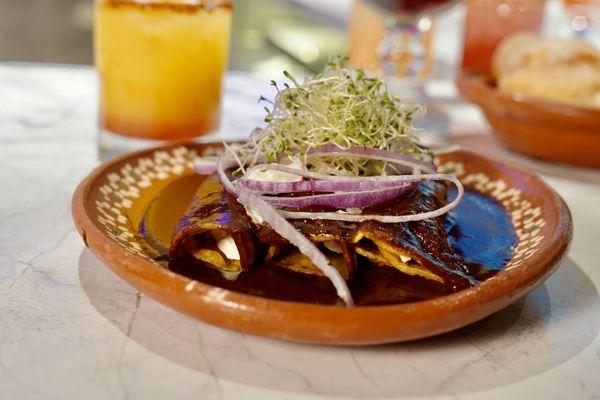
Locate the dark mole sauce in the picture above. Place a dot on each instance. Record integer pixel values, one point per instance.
(479, 230)
(371, 285)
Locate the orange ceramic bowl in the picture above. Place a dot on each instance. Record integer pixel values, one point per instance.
(548, 130)
(110, 203)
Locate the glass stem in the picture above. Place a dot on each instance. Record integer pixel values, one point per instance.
(403, 51)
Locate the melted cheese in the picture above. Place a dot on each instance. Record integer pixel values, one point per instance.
(226, 244)
(269, 175)
(333, 246)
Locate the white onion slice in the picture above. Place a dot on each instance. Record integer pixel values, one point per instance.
(345, 199)
(384, 218)
(226, 160)
(258, 204)
(270, 215)
(338, 185)
(280, 225)
(206, 165)
(319, 176)
(373, 154)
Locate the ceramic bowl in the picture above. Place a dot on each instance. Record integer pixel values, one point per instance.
(109, 204)
(548, 130)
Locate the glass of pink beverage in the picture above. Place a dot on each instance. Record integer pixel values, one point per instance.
(489, 21)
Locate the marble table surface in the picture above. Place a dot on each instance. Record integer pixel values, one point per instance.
(69, 328)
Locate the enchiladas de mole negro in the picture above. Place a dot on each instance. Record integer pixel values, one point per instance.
(335, 192)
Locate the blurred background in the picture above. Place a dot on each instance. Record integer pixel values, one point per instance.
(267, 35)
(421, 47)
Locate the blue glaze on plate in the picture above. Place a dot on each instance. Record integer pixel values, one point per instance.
(481, 231)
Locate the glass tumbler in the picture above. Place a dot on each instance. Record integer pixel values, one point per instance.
(160, 66)
(489, 21)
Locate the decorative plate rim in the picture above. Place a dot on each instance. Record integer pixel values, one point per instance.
(131, 266)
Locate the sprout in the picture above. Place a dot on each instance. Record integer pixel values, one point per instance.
(339, 106)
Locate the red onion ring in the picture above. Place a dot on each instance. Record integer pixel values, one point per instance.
(226, 161)
(364, 189)
(338, 185)
(375, 154)
(206, 165)
(346, 199)
(255, 203)
(229, 159)
(385, 218)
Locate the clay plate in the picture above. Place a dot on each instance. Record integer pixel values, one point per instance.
(110, 203)
(548, 130)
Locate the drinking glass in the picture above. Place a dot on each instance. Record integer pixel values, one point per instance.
(160, 66)
(585, 19)
(489, 21)
(393, 38)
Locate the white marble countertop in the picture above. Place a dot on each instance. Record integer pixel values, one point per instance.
(69, 328)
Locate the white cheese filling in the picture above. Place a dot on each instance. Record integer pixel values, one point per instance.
(226, 244)
(268, 175)
(354, 210)
(333, 246)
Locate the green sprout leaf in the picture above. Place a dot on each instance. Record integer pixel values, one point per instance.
(339, 106)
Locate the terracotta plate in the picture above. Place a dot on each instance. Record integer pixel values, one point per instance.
(110, 209)
(548, 130)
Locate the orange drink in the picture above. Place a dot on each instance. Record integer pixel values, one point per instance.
(160, 66)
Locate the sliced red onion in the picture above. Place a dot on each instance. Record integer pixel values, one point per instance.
(385, 218)
(338, 185)
(324, 168)
(206, 165)
(255, 203)
(209, 164)
(346, 199)
(294, 171)
(226, 161)
(357, 192)
(409, 162)
(375, 154)
(324, 177)
(349, 192)
(321, 182)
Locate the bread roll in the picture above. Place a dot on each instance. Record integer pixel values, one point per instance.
(566, 70)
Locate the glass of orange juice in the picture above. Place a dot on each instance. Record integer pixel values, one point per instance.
(160, 65)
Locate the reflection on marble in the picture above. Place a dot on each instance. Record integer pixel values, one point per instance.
(521, 341)
(69, 328)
